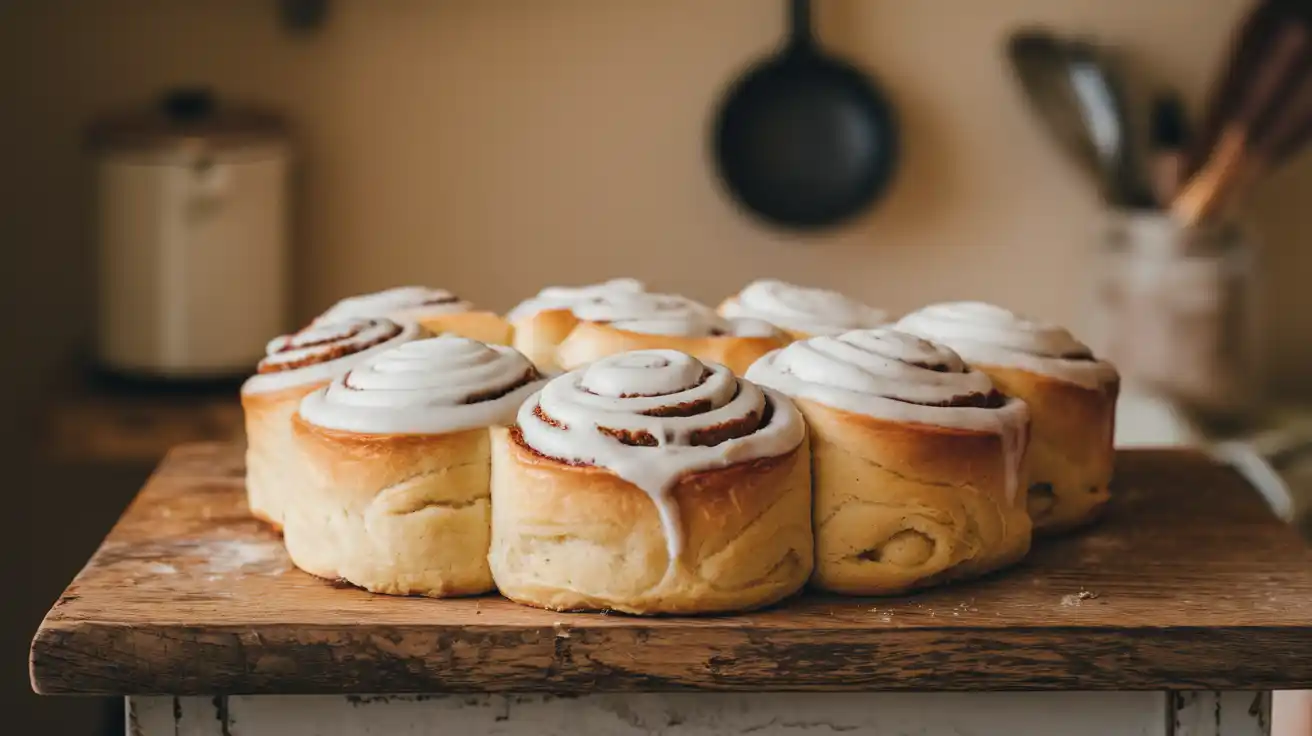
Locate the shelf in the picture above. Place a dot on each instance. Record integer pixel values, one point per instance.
(91, 419)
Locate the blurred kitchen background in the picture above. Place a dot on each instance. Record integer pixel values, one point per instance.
(495, 147)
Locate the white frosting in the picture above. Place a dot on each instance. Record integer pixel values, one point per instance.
(991, 335)
(322, 339)
(613, 393)
(666, 314)
(565, 297)
(813, 311)
(399, 303)
(879, 373)
(428, 386)
(751, 327)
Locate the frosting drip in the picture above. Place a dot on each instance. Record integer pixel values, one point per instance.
(653, 416)
(324, 351)
(895, 376)
(399, 303)
(813, 311)
(565, 297)
(434, 386)
(666, 314)
(991, 335)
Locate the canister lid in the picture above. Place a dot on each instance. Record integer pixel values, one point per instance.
(187, 117)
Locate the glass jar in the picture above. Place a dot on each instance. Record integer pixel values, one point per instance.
(1175, 309)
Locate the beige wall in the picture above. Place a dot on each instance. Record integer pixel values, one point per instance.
(492, 147)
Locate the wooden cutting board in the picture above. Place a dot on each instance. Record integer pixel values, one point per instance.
(1188, 583)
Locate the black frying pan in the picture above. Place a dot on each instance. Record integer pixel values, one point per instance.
(804, 139)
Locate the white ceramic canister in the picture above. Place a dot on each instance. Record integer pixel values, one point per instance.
(192, 238)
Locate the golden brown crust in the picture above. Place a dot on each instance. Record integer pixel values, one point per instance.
(569, 537)
(261, 516)
(1069, 464)
(271, 462)
(539, 335)
(592, 340)
(900, 506)
(487, 327)
(399, 514)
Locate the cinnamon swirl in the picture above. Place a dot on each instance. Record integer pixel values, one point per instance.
(397, 489)
(1071, 394)
(651, 482)
(916, 460)
(543, 322)
(437, 310)
(296, 365)
(620, 322)
(801, 311)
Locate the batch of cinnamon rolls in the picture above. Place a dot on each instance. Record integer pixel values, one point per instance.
(608, 448)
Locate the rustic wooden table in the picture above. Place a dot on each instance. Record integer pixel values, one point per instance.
(1178, 614)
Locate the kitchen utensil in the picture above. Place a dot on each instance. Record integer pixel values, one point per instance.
(804, 139)
(1099, 96)
(1285, 135)
(1251, 43)
(1076, 93)
(1168, 141)
(191, 233)
(1246, 153)
(1257, 114)
(1039, 63)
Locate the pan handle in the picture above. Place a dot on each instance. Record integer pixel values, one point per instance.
(799, 25)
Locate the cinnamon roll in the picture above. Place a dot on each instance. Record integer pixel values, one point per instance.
(651, 482)
(543, 322)
(800, 311)
(398, 461)
(296, 365)
(620, 322)
(916, 460)
(437, 310)
(1071, 394)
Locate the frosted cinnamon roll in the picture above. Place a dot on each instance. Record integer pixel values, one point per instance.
(1071, 394)
(438, 310)
(296, 365)
(800, 311)
(916, 460)
(620, 322)
(543, 322)
(398, 460)
(651, 482)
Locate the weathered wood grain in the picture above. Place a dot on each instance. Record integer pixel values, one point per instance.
(1188, 583)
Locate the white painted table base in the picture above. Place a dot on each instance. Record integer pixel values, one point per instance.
(707, 714)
